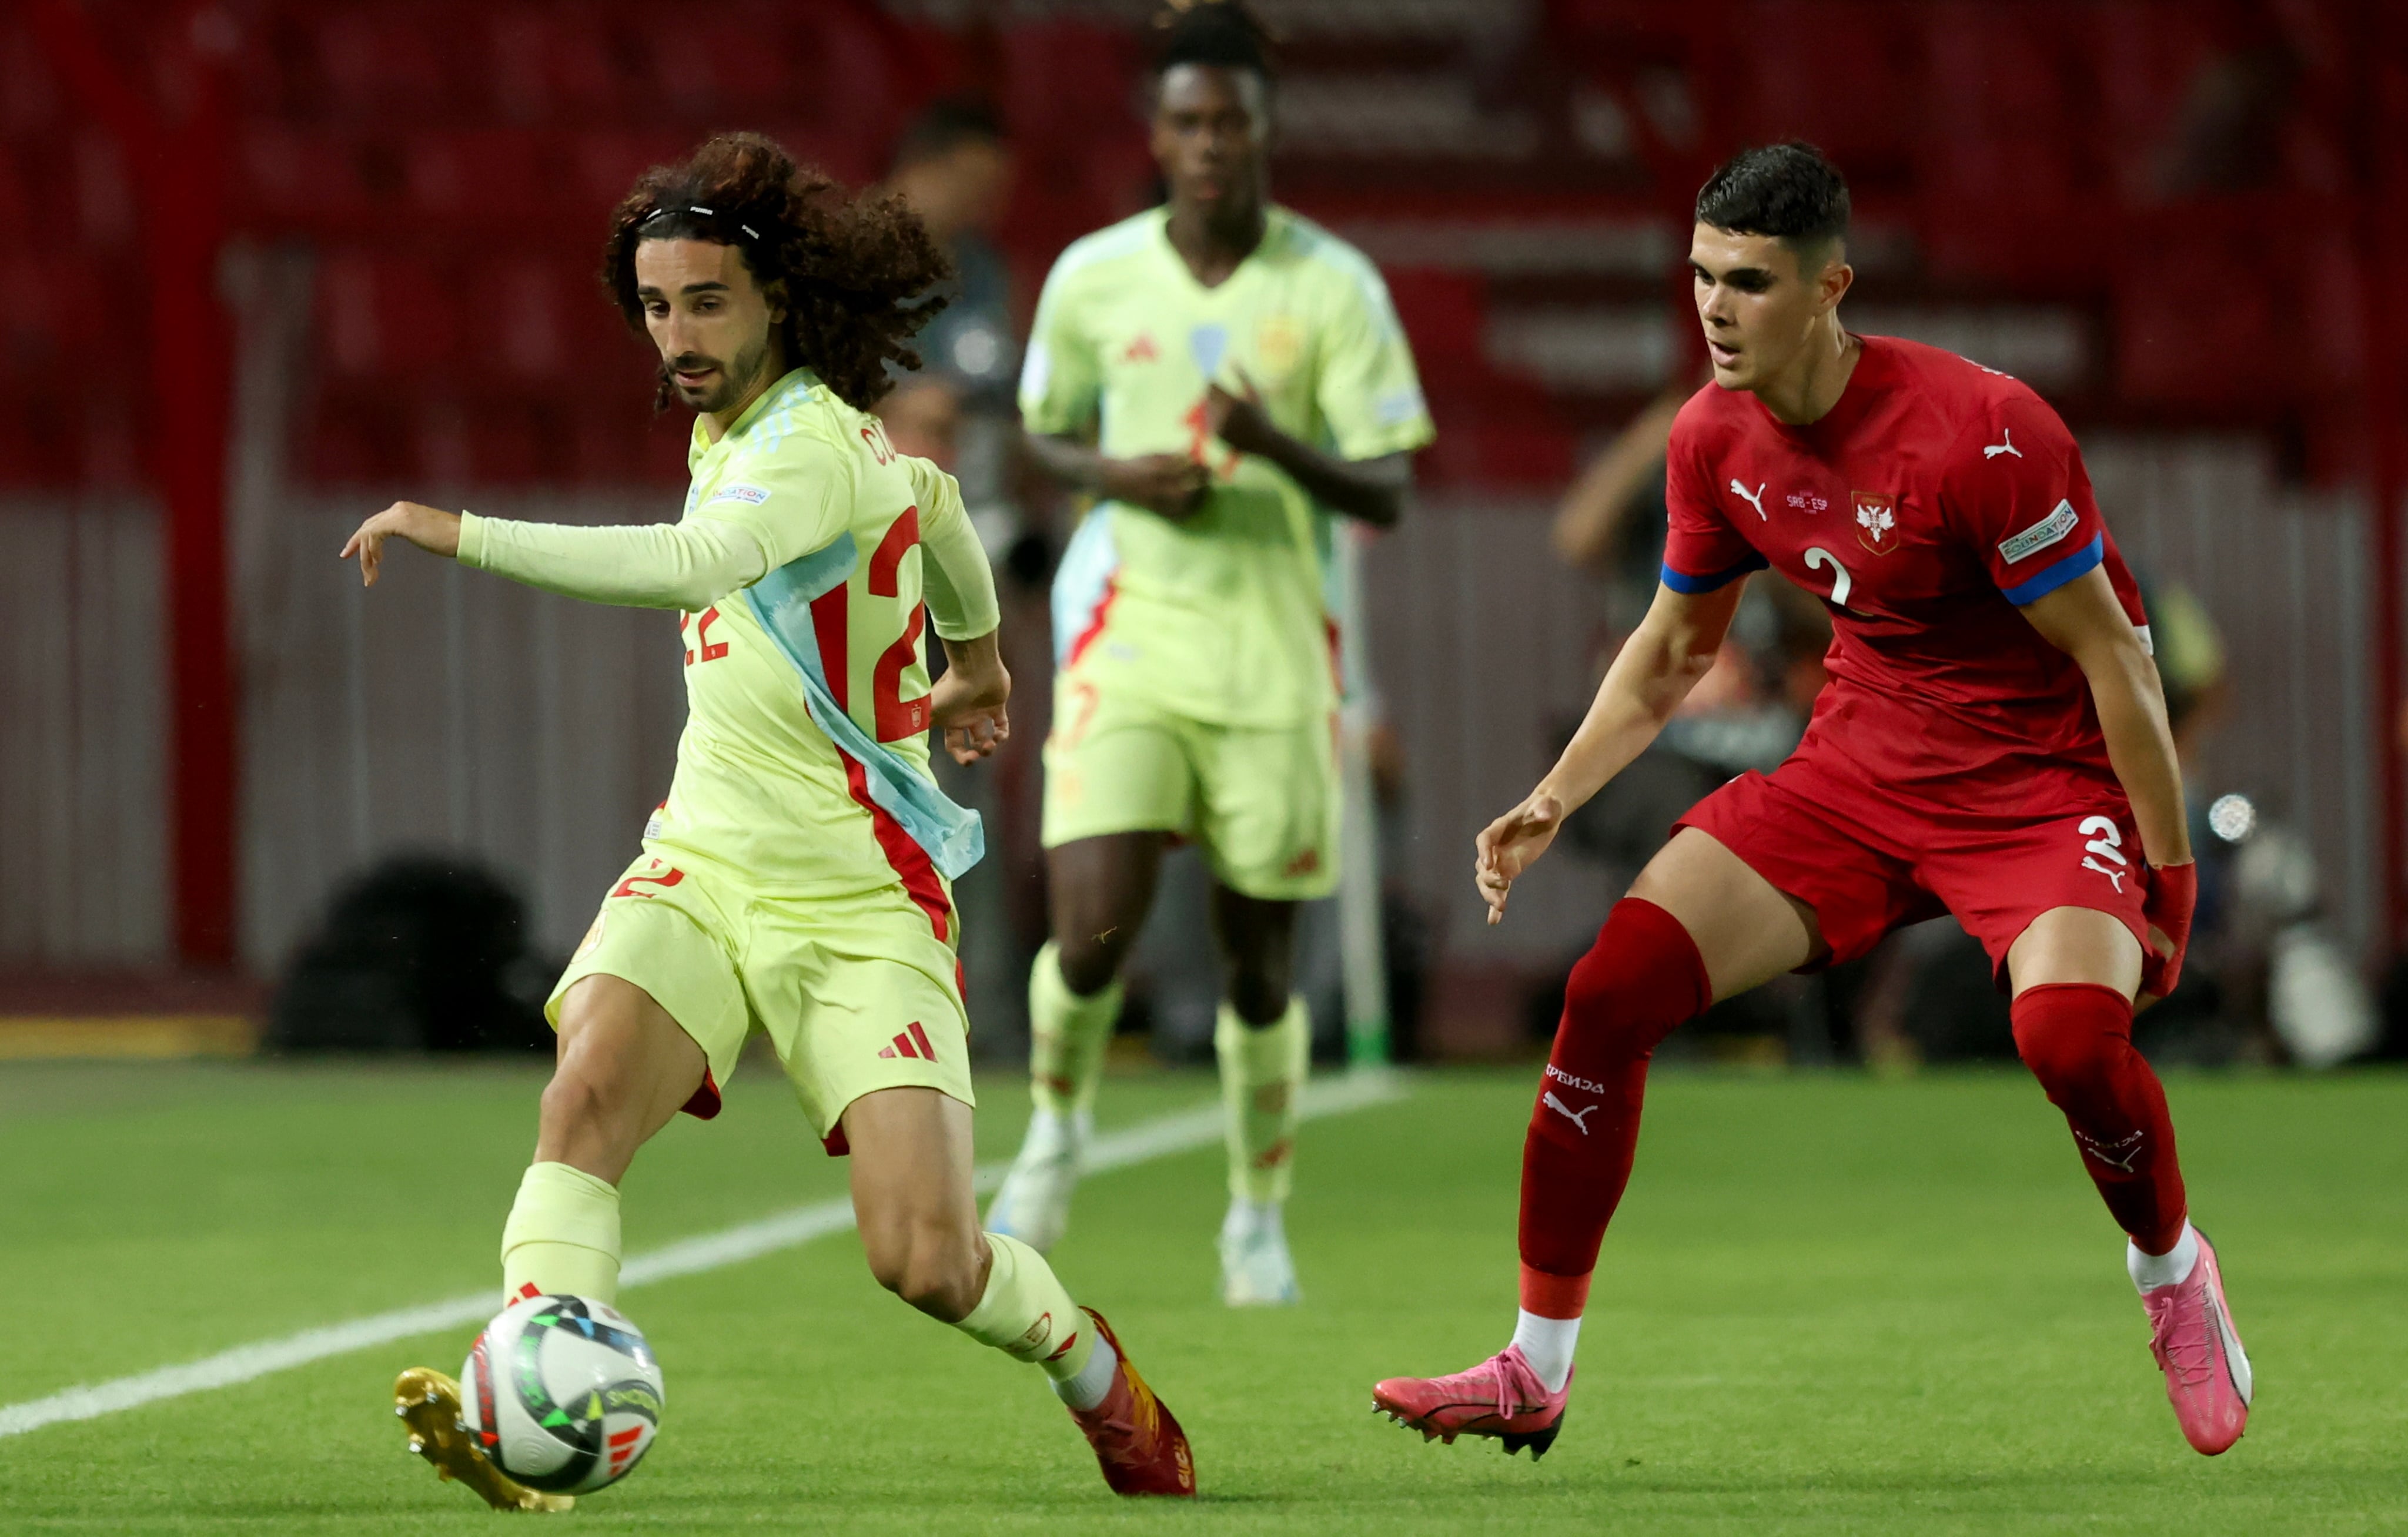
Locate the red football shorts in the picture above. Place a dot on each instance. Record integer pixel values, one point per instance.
(1868, 863)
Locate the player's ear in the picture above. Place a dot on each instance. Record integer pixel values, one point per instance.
(1837, 278)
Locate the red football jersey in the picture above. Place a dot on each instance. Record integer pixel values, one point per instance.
(1934, 498)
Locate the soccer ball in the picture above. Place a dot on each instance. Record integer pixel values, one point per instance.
(562, 1394)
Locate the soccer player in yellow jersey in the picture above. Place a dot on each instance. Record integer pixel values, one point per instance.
(796, 881)
(1222, 376)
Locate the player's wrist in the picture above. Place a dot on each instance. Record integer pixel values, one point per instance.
(435, 531)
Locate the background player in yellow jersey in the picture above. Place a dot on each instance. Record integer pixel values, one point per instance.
(797, 879)
(1222, 376)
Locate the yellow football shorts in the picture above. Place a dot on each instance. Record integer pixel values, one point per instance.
(1263, 804)
(857, 993)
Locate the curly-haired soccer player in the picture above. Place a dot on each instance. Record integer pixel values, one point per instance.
(1222, 376)
(1992, 744)
(797, 880)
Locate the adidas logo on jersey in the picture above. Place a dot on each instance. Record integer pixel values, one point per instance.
(912, 1043)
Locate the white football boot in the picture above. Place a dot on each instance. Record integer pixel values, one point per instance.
(1034, 1202)
(1255, 1269)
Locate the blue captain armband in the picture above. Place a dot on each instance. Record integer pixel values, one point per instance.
(1681, 581)
(2080, 563)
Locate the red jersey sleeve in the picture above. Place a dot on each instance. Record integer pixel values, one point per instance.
(1702, 551)
(2017, 489)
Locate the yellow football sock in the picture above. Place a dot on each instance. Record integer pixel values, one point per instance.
(1066, 1035)
(563, 1235)
(1026, 1313)
(1262, 1073)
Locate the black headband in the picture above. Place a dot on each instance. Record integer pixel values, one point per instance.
(697, 207)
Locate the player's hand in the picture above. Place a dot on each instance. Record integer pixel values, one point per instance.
(968, 704)
(1507, 846)
(431, 529)
(1239, 420)
(1173, 485)
(2173, 895)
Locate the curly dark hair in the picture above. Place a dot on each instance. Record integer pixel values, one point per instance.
(854, 274)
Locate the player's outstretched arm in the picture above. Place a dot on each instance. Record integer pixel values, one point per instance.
(1173, 485)
(1674, 646)
(687, 565)
(2083, 619)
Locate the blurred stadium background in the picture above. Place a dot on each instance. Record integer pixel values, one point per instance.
(276, 263)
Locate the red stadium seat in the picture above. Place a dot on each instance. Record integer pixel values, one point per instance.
(386, 316)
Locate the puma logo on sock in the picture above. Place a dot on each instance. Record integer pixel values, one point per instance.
(2123, 1153)
(1559, 1107)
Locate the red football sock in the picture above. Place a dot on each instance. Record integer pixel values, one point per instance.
(1642, 978)
(2077, 1039)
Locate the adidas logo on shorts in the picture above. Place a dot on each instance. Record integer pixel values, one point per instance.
(912, 1041)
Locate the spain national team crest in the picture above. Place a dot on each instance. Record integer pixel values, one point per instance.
(1876, 521)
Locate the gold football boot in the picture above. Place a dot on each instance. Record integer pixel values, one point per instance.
(428, 1404)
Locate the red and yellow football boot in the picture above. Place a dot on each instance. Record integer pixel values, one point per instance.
(1137, 1439)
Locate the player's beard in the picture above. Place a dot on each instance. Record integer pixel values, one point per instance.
(731, 383)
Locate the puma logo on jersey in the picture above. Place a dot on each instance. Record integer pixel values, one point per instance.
(1560, 1108)
(1992, 451)
(2116, 877)
(1754, 498)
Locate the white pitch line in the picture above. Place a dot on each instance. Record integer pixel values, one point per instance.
(1139, 1143)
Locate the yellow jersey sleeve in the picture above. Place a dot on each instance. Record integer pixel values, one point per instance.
(793, 501)
(688, 565)
(1367, 392)
(1061, 378)
(959, 585)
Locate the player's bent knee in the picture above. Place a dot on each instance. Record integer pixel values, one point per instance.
(1638, 982)
(1090, 960)
(1260, 993)
(1601, 1005)
(932, 1266)
(2063, 1052)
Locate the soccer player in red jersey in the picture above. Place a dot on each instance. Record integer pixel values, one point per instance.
(1992, 744)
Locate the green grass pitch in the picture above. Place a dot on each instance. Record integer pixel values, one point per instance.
(1830, 1304)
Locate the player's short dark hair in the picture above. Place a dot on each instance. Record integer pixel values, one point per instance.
(1788, 190)
(1220, 34)
(945, 125)
(852, 273)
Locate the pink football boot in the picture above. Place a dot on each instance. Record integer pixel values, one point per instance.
(2207, 1373)
(1501, 1397)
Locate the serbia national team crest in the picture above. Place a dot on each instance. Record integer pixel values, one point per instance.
(1876, 521)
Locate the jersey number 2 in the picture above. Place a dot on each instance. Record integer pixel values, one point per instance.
(1841, 583)
(893, 716)
(705, 649)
